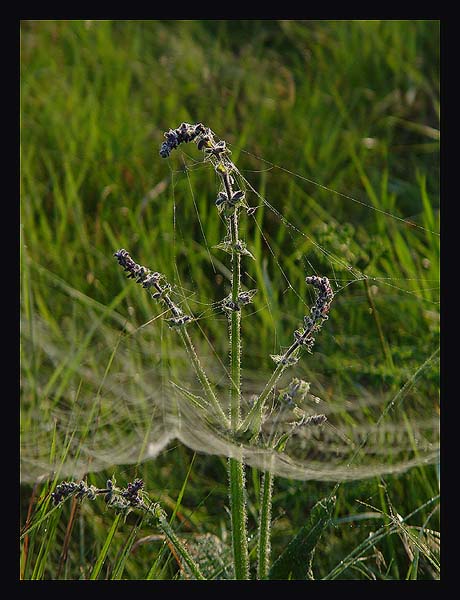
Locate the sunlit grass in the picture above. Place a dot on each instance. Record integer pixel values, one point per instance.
(353, 106)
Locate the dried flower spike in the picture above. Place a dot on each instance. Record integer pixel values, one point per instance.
(141, 274)
(318, 312)
(148, 279)
(314, 420)
(67, 489)
(324, 297)
(183, 134)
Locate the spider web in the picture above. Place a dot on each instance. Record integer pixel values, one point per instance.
(138, 398)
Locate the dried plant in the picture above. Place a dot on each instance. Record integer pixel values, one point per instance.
(230, 202)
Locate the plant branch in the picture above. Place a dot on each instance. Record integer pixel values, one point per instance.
(150, 280)
(302, 338)
(124, 500)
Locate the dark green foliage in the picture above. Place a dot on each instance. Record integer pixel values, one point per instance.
(296, 560)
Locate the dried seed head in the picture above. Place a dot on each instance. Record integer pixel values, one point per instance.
(323, 298)
(66, 489)
(149, 279)
(228, 305)
(204, 142)
(294, 393)
(237, 197)
(183, 134)
(217, 149)
(243, 299)
(160, 295)
(131, 493)
(135, 271)
(318, 312)
(225, 204)
(315, 420)
(284, 360)
(246, 297)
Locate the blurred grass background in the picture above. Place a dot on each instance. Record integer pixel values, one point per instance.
(352, 105)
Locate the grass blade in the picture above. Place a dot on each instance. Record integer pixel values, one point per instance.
(295, 561)
(103, 554)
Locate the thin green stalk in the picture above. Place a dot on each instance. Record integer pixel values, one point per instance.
(237, 490)
(263, 562)
(385, 347)
(253, 417)
(149, 280)
(185, 337)
(178, 545)
(238, 517)
(235, 338)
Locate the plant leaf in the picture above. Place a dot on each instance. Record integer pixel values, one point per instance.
(198, 401)
(213, 556)
(103, 554)
(295, 561)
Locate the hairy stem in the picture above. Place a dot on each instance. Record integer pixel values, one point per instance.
(238, 517)
(150, 280)
(263, 562)
(254, 416)
(210, 395)
(179, 547)
(235, 324)
(237, 490)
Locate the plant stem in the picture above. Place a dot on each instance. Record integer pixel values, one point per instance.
(253, 418)
(263, 562)
(238, 518)
(185, 337)
(235, 325)
(179, 546)
(217, 154)
(237, 490)
(186, 340)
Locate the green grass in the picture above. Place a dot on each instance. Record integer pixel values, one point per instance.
(353, 106)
